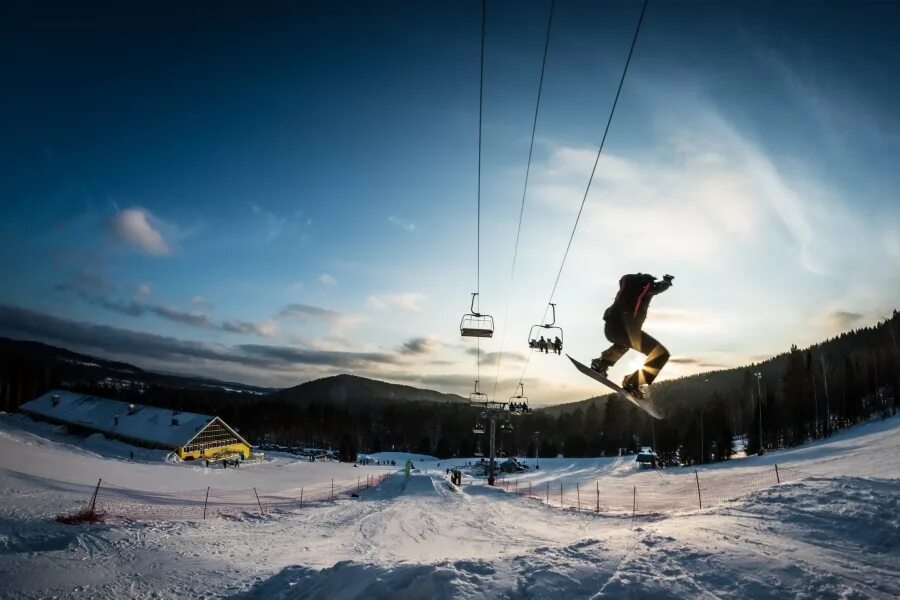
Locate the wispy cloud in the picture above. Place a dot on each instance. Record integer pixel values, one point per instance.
(201, 302)
(404, 224)
(276, 356)
(706, 192)
(407, 302)
(262, 329)
(86, 282)
(27, 324)
(327, 280)
(835, 109)
(695, 320)
(176, 315)
(492, 358)
(96, 291)
(698, 363)
(276, 224)
(339, 322)
(307, 311)
(418, 346)
(840, 321)
(138, 228)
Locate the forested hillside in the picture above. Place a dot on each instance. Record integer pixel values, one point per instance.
(801, 394)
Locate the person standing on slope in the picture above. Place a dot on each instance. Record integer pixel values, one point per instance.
(624, 320)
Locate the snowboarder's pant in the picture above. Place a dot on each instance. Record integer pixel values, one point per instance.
(625, 336)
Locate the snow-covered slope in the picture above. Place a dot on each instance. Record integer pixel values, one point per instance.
(834, 534)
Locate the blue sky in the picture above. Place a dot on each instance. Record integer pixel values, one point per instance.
(277, 193)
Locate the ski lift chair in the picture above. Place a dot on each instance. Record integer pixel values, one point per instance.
(556, 330)
(478, 399)
(476, 324)
(479, 427)
(518, 404)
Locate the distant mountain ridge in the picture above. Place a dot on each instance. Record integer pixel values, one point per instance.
(352, 390)
(74, 371)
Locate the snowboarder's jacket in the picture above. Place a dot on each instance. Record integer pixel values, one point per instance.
(635, 292)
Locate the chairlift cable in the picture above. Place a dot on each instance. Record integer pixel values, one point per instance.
(474, 324)
(593, 171)
(537, 107)
(478, 210)
(512, 273)
(599, 151)
(480, 113)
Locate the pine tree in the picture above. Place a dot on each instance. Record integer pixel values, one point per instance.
(720, 427)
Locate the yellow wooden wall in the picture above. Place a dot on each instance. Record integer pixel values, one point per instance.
(212, 452)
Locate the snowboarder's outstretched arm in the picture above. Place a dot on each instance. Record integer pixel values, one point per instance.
(659, 287)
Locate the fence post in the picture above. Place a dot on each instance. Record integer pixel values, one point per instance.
(94, 496)
(699, 498)
(598, 497)
(517, 486)
(578, 494)
(332, 490)
(529, 488)
(560, 495)
(777, 475)
(357, 483)
(301, 496)
(633, 505)
(205, 502)
(258, 502)
(548, 493)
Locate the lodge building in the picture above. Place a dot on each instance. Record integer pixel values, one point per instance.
(190, 435)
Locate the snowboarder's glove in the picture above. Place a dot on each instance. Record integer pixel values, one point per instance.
(661, 286)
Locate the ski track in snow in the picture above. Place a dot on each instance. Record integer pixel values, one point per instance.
(833, 535)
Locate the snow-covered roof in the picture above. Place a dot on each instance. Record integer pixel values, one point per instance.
(159, 426)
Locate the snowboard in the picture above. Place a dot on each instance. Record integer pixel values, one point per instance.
(643, 404)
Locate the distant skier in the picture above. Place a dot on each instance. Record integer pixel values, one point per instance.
(624, 320)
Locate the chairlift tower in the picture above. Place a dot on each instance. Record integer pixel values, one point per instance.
(489, 411)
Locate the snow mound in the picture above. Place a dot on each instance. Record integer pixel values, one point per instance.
(833, 534)
(400, 457)
(417, 484)
(801, 540)
(843, 513)
(353, 580)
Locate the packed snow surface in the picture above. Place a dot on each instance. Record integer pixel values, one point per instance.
(834, 533)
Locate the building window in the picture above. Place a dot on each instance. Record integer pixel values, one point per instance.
(214, 436)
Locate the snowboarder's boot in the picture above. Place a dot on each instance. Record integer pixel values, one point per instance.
(601, 367)
(630, 385)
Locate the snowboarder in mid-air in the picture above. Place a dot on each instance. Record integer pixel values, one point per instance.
(623, 328)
